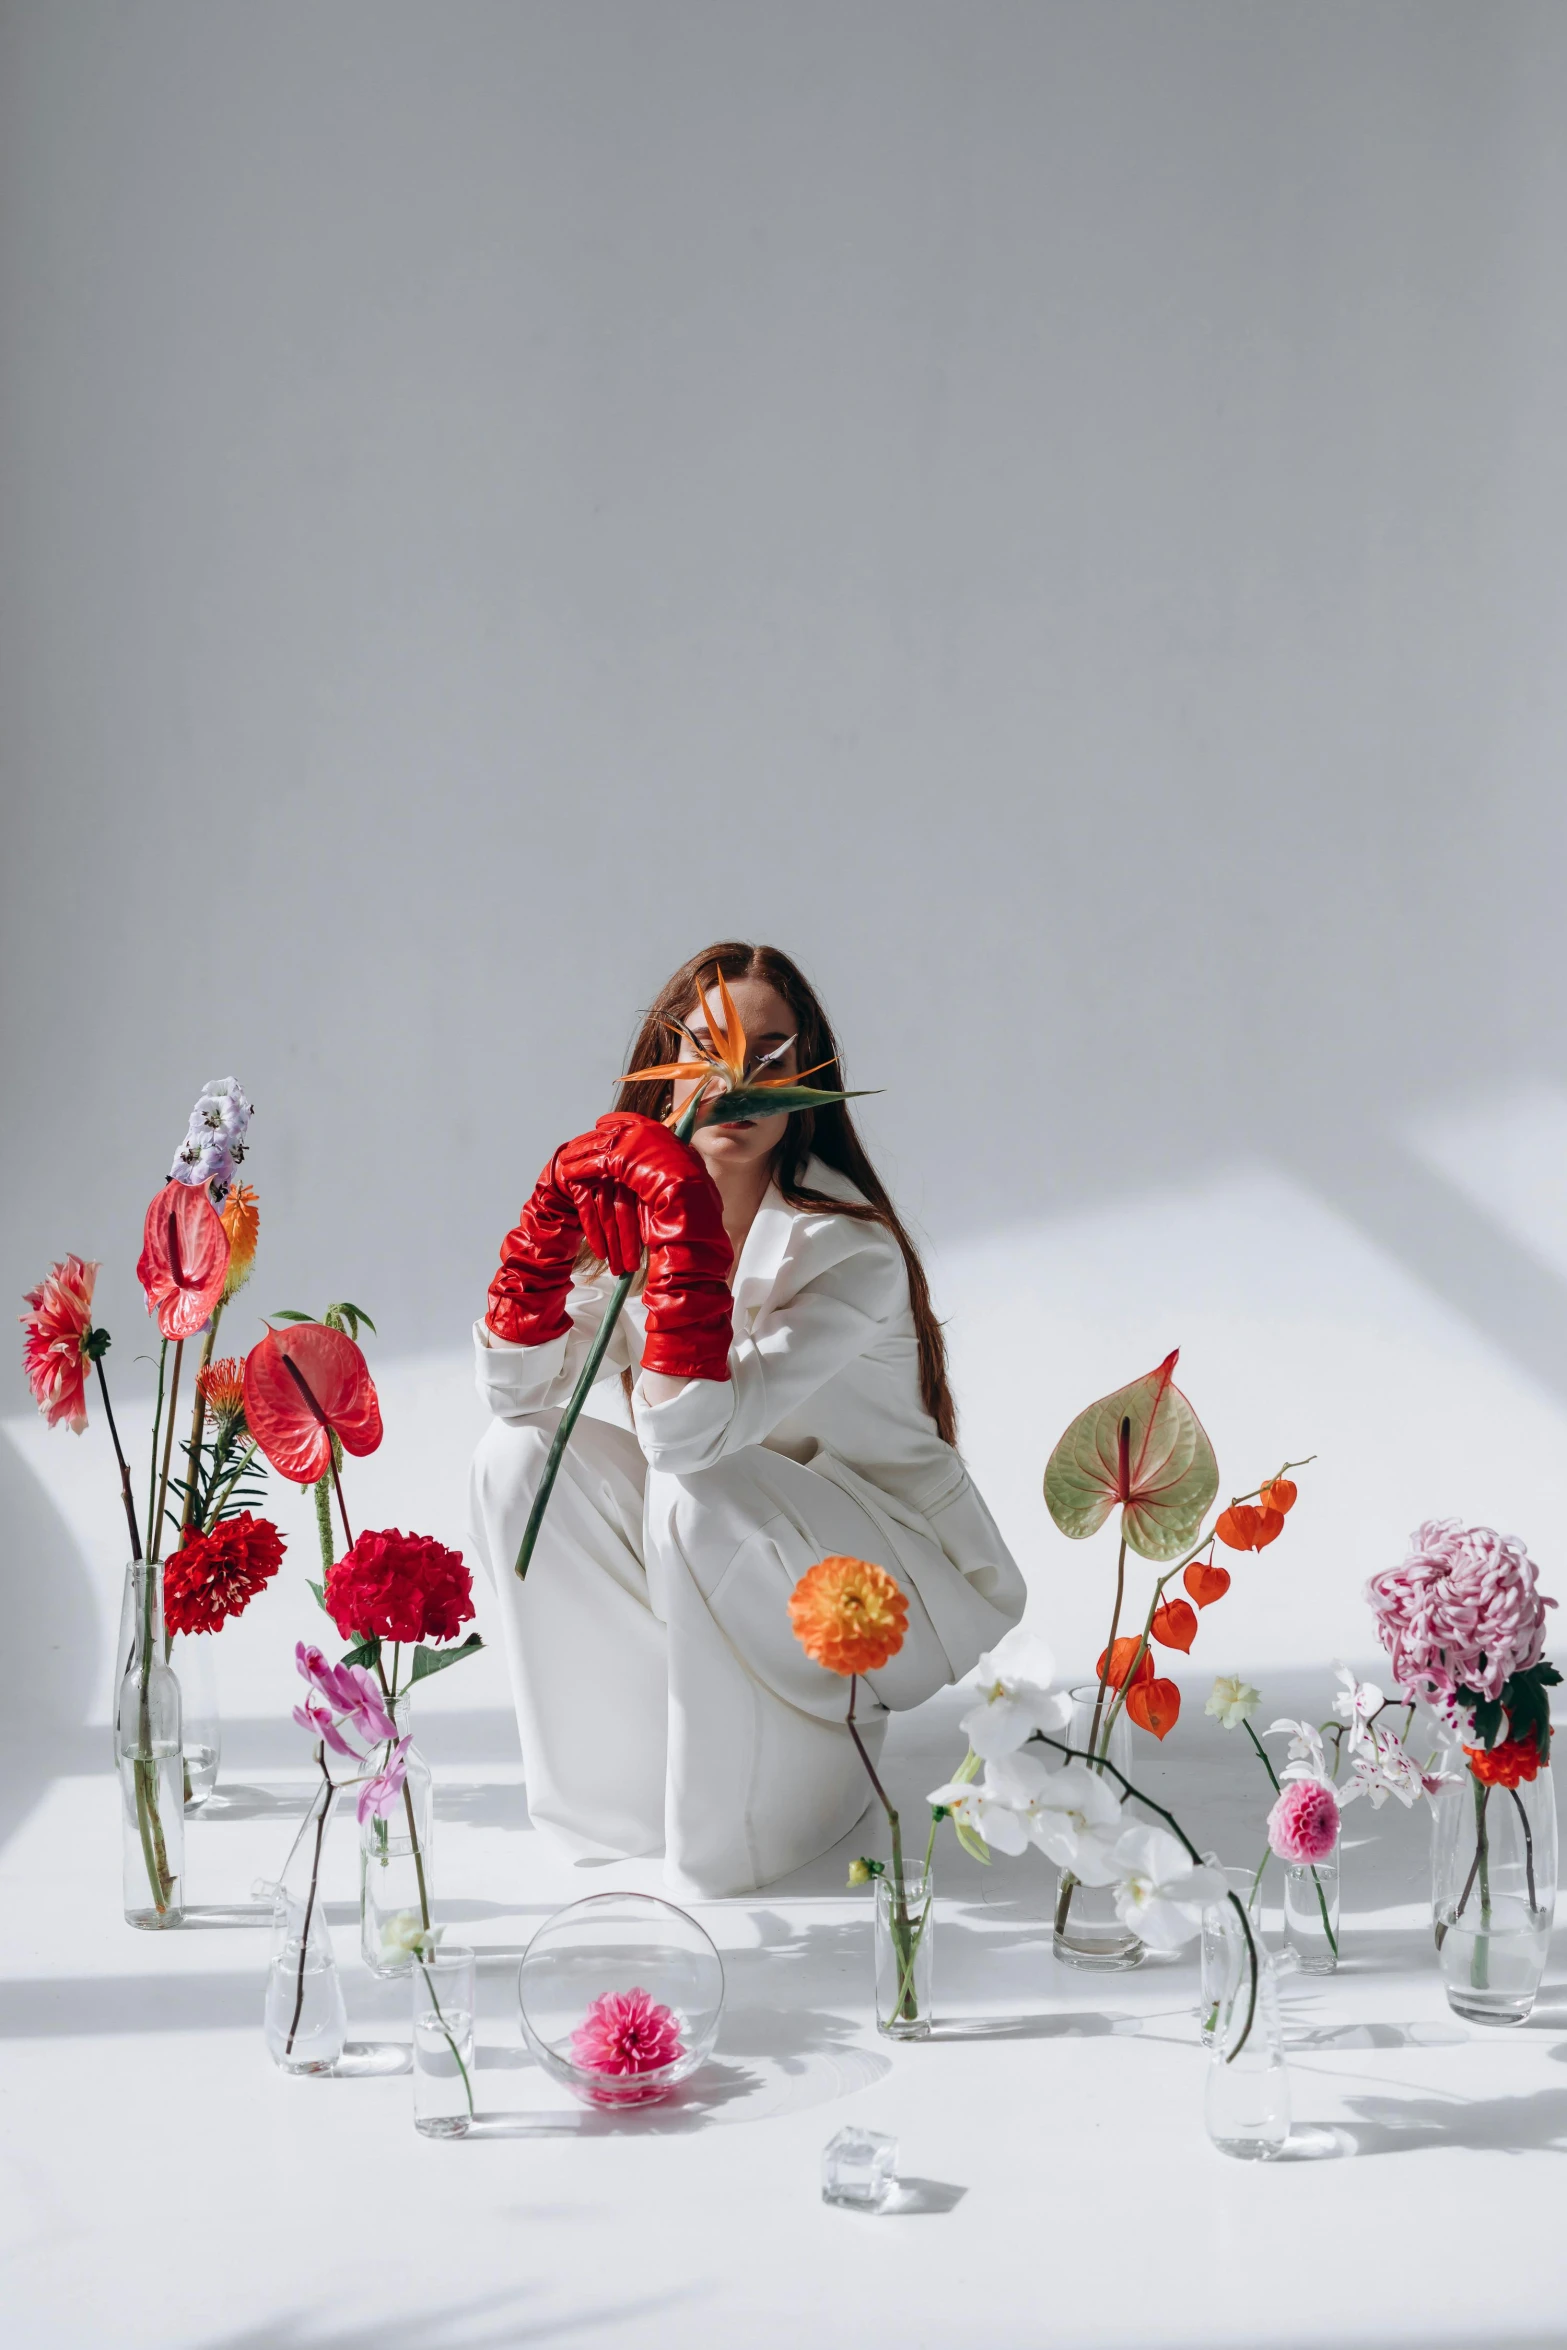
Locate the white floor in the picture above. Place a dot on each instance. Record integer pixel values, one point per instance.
(163, 2185)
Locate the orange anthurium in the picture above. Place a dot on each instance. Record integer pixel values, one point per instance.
(1280, 1495)
(303, 1386)
(1245, 1527)
(184, 1258)
(1175, 1625)
(1121, 1663)
(1155, 1706)
(1206, 1582)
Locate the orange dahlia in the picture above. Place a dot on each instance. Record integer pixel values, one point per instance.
(848, 1615)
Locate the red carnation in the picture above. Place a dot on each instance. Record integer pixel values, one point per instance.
(399, 1587)
(1504, 1765)
(217, 1575)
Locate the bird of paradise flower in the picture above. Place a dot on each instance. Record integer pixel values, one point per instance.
(729, 1090)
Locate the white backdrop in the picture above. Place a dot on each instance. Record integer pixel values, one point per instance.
(1051, 514)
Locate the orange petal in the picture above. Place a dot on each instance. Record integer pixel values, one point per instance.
(1270, 1525)
(1175, 1626)
(1280, 1495)
(1155, 1706)
(1206, 1582)
(1238, 1526)
(1121, 1663)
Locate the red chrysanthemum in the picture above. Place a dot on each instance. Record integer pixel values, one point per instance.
(1504, 1765)
(399, 1587)
(214, 1576)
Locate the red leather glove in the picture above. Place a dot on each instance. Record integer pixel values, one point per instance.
(631, 1165)
(528, 1294)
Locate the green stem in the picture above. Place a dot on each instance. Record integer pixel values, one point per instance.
(1528, 1846)
(1480, 1966)
(1076, 1754)
(447, 2035)
(310, 1900)
(322, 1490)
(155, 1546)
(125, 1470)
(198, 1424)
(216, 1501)
(1265, 1759)
(157, 1422)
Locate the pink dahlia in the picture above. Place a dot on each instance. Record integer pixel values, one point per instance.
(1303, 1824)
(626, 2032)
(1463, 1611)
(58, 1323)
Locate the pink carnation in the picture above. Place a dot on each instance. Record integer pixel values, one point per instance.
(626, 2032)
(1303, 1824)
(1463, 1611)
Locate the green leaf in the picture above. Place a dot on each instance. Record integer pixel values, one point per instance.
(320, 1591)
(436, 1660)
(1142, 1449)
(771, 1101)
(974, 1845)
(288, 1314)
(366, 1652)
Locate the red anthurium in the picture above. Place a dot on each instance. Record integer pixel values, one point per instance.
(184, 1258)
(1155, 1706)
(1175, 1625)
(1280, 1495)
(301, 1383)
(1121, 1663)
(1206, 1582)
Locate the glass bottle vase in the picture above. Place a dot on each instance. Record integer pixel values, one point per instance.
(905, 1954)
(149, 1758)
(1221, 1947)
(1246, 2101)
(306, 2021)
(1493, 1893)
(1088, 1932)
(396, 1886)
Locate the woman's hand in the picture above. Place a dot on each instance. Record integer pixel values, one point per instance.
(635, 1185)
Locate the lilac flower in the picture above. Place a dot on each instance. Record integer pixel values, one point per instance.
(214, 1143)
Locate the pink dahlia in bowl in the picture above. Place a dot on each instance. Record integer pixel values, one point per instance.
(1303, 1825)
(625, 2032)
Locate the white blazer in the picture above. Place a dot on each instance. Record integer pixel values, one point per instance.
(824, 1367)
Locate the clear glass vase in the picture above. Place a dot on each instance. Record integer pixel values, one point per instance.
(1246, 2101)
(620, 1997)
(905, 1954)
(306, 2020)
(1088, 1933)
(193, 1656)
(1493, 1894)
(148, 1756)
(1220, 1943)
(444, 2004)
(396, 1888)
(1311, 1914)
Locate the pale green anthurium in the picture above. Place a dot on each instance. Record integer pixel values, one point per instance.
(1142, 1449)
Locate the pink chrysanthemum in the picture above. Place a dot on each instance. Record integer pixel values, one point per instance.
(58, 1322)
(1463, 1611)
(626, 2032)
(1303, 1824)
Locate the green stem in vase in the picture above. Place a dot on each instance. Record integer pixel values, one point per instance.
(1480, 1964)
(446, 2032)
(325, 1800)
(157, 1422)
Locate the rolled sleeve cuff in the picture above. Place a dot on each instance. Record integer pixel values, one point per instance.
(515, 1379)
(688, 1431)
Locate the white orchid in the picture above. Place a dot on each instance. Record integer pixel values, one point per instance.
(1161, 1892)
(1014, 1696)
(1306, 1759)
(973, 1806)
(1356, 1703)
(1232, 1701)
(1056, 1810)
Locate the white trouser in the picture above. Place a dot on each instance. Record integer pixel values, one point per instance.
(662, 1698)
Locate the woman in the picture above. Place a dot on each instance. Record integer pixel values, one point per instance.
(788, 1398)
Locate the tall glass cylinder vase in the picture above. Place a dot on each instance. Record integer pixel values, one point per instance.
(1493, 1892)
(1311, 1913)
(148, 1755)
(194, 1657)
(1221, 1948)
(1088, 1933)
(396, 1887)
(905, 1954)
(1246, 2101)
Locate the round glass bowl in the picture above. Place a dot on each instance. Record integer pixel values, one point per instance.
(620, 1997)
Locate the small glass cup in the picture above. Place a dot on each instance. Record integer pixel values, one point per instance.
(1088, 1930)
(1221, 1947)
(1311, 1914)
(443, 1989)
(306, 2020)
(905, 1955)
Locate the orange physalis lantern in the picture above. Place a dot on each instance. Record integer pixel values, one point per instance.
(1206, 1582)
(1155, 1706)
(1175, 1625)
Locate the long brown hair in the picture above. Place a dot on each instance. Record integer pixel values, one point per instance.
(826, 1134)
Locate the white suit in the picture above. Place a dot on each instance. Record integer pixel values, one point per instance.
(662, 1697)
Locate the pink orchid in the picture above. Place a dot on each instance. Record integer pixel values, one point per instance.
(350, 1691)
(379, 1795)
(314, 1717)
